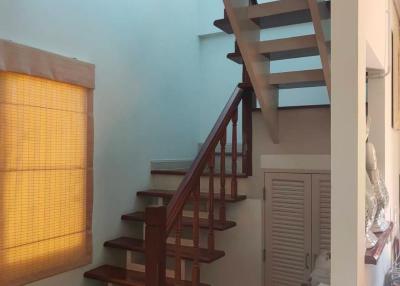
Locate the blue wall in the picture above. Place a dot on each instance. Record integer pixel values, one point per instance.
(146, 56)
(162, 80)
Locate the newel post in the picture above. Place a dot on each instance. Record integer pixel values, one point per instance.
(155, 244)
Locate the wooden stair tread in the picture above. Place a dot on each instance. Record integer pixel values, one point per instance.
(276, 14)
(282, 49)
(296, 79)
(311, 106)
(186, 221)
(181, 172)
(274, 8)
(123, 277)
(289, 47)
(167, 194)
(245, 85)
(187, 252)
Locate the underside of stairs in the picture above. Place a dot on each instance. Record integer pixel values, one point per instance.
(247, 21)
(175, 220)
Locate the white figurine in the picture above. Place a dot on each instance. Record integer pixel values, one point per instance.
(370, 213)
(382, 196)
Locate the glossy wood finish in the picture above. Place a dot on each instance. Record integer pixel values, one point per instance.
(314, 106)
(185, 172)
(155, 247)
(247, 127)
(187, 222)
(372, 255)
(196, 235)
(123, 277)
(211, 195)
(222, 207)
(168, 194)
(190, 188)
(321, 41)
(186, 252)
(234, 155)
(178, 249)
(191, 178)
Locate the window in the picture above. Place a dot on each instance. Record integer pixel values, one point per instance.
(45, 177)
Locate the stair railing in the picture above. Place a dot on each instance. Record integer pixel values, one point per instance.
(162, 222)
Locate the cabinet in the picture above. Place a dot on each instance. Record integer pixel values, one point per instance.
(297, 225)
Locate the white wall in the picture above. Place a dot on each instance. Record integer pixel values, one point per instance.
(387, 144)
(348, 116)
(377, 38)
(146, 55)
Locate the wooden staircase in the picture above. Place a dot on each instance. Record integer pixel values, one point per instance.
(170, 247)
(170, 251)
(246, 20)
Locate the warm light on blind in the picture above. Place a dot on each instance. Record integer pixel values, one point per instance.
(45, 178)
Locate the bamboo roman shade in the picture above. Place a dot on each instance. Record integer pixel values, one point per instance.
(46, 169)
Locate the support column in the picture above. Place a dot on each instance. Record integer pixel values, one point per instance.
(348, 142)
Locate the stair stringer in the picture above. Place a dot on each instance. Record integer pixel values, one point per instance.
(248, 36)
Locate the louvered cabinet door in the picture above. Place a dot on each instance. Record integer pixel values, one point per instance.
(288, 228)
(321, 214)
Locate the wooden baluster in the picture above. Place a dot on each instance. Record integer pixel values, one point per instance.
(178, 254)
(211, 165)
(155, 246)
(247, 134)
(196, 235)
(236, 47)
(234, 155)
(222, 209)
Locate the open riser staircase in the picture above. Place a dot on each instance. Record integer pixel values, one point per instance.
(180, 225)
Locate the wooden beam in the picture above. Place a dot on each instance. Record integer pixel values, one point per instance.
(247, 36)
(321, 42)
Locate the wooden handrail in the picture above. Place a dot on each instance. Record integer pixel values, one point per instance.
(160, 221)
(192, 177)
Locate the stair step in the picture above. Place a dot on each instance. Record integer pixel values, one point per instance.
(187, 252)
(186, 221)
(277, 14)
(181, 172)
(167, 194)
(297, 79)
(245, 85)
(281, 49)
(311, 106)
(123, 277)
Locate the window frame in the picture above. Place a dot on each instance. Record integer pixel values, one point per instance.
(30, 61)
